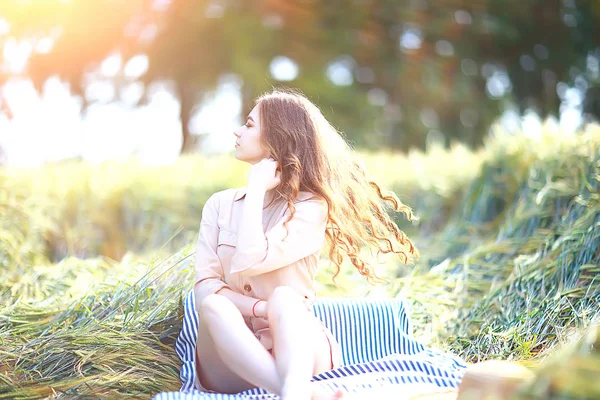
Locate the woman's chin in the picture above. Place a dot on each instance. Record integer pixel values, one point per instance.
(240, 157)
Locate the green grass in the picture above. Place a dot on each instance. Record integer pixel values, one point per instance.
(96, 260)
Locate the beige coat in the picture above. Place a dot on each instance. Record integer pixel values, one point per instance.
(272, 260)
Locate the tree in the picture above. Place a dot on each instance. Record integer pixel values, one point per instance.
(453, 66)
(412, 70)
(83, 34)
(86, 32)
(189, 50)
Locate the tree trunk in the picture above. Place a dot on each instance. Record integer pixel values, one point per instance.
(248, 94)
(186, 99)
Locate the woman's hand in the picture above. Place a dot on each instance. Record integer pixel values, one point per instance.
(260, 310)
(264, 174)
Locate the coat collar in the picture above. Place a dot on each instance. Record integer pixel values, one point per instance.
(241, 193)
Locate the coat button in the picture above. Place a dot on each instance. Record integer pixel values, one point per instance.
(247, 287)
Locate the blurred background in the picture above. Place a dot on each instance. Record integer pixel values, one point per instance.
(116, 122)
(107, 79)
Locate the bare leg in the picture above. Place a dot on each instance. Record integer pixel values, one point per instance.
(300, 344)
(237, 347)
(213, 374)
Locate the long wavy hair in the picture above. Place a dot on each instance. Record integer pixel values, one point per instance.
(314, 157)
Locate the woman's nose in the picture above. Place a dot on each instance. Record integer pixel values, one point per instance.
(236, 134)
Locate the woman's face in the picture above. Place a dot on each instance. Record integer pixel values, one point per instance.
(248, 146)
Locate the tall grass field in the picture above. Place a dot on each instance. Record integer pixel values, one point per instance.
(96, 259)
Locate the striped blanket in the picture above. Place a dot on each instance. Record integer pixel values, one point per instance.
(378, 353)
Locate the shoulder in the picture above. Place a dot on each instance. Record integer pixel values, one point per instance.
(308, 197)
(222, 197)
(312, 203)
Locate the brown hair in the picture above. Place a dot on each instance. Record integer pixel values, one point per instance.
(314, 157)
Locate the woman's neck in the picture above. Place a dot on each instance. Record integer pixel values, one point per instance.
(270, 196)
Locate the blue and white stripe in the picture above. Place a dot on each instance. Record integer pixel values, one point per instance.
(378, 352)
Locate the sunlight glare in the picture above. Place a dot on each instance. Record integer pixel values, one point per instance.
(111, 65)
(4, 27)
(152, 133)
(220, 116)
(411, 39)
(100, 90)
(510, 121)
(16, 53)
(21, 96)
(50, 122)
(570, 119)
(131, 93)
(161, 5)
(44, 45)
(532, 125)
(149, 32)
(283, 69)
(136, 66)
(103, 133)
(340, 71)
(158, 129)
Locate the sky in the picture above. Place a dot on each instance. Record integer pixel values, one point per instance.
(50, 126)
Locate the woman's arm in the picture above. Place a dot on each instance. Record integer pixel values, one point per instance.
(258, 252)
(262, 177)
(282, 245)
(251, 224)
(245, 303)
(209, 271)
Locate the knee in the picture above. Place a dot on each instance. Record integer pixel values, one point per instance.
(284, 298)
(284, 294)
(213, 305)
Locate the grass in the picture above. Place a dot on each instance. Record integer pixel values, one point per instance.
(97, 258)
(98, 328)
(521, 253)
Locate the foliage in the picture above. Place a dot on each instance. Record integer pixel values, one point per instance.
(570, 373)
(92, 328)
(411, 71)
(515, 270)
(85, 210)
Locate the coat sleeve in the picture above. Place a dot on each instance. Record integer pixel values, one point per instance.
(208, 268)
(273, 250)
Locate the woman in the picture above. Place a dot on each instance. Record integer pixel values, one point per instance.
(258, 249)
